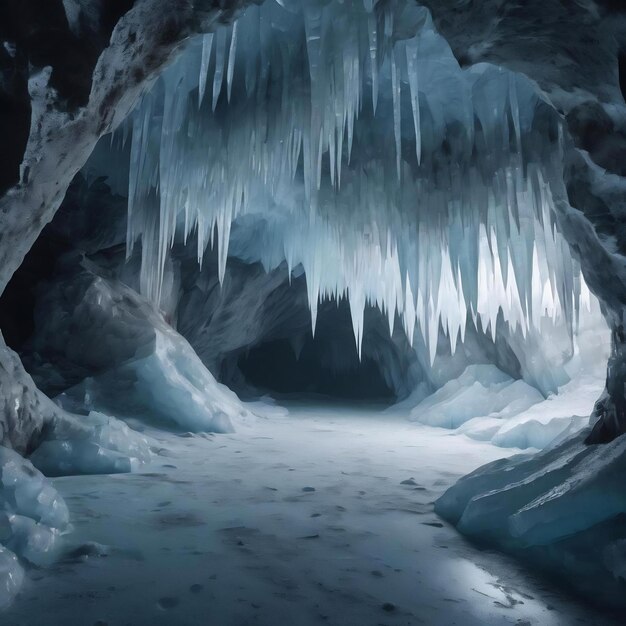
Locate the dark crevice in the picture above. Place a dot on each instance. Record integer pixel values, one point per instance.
(90, 219)
(17, 302)
(274, 366)
(327, 364)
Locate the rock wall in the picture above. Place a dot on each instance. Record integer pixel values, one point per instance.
(74, 71)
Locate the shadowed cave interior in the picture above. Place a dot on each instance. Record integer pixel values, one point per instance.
(334, 309)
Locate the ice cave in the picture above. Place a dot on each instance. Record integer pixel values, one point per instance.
(312, 312)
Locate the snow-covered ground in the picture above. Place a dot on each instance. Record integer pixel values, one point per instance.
(321, 517)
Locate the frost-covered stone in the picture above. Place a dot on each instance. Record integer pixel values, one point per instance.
(23, 408)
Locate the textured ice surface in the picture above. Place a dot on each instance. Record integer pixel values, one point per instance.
(482, 390)
(11, 576)
(27, 492)
(530, 421)
(486, 404)
(168, 385)
(173, 383)
(90, 444)
(32, 516)
(563, 505)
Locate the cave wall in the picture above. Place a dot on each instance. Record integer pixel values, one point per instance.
(71, 72)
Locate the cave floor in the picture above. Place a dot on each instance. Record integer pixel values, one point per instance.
(298, 520)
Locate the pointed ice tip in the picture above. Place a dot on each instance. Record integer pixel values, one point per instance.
(207, 44)
(231, 60)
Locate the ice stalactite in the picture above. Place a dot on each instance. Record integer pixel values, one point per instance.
(390, 175)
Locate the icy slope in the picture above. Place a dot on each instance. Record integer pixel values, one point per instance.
(481, 390)
(169, 385)
(487, 404)
(106, 349)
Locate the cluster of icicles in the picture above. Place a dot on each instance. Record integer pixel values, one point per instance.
(353, 143)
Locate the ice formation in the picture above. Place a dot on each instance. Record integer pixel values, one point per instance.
(482, 390)
(562, 505)
(486, 404)
(32, 517)
(169, 385)
(389, 174)
(90, 444)
(147, 370)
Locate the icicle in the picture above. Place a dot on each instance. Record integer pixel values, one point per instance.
(514, 106)
(207, 44)
(395, 94)
(357, 310)
(231, 60)
(470, 238)
(412, 69)
(373, 44)
(220, 53)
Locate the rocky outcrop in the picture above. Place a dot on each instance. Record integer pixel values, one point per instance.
(23, 408)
